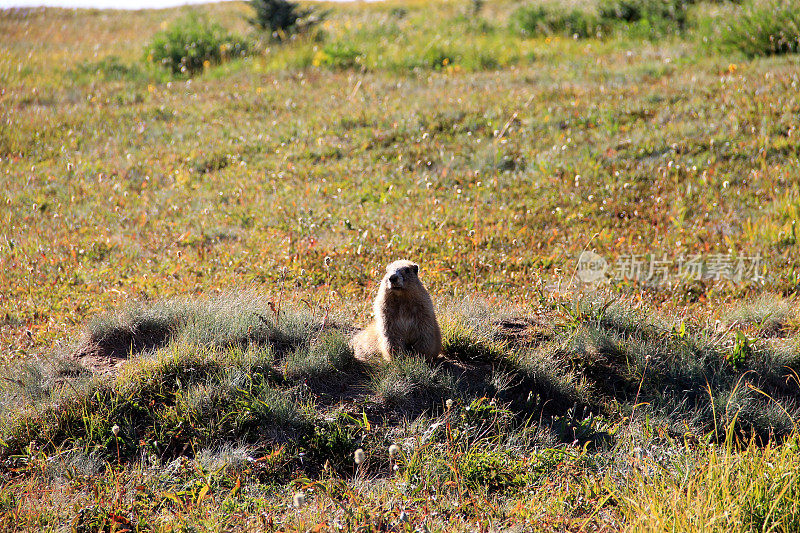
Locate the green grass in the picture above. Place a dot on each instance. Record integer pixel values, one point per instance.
(755, 488)
(213, 408)
(185, 259)
(762, 29)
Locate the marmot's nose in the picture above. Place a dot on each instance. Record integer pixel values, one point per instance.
(395, 279)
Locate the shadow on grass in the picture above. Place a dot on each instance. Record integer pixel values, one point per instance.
(703, 381)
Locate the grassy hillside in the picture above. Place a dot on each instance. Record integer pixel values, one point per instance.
(182, 260)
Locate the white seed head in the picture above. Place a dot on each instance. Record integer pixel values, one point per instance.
(394, 449)
(448, 403)
(359, 456)
(299, 500)
(115, 430)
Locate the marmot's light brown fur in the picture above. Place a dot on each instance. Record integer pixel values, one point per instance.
(404, 318)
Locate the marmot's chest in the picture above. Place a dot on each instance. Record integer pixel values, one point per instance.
(403, 316)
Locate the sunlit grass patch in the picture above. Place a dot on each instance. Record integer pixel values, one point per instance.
(769, 314)
(491, 470)
(30, 382)
(232, 319)
(609, 376)
(548, 379)
(725, 489)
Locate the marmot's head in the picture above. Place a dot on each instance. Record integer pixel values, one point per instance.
(401, 274)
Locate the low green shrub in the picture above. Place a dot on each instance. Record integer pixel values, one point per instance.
(191, 44)
(541, 20)
(437, 57)
(331, 441)
(491, 470)
(337, 56)
(770, 27)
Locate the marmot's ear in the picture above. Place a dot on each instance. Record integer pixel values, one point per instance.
(415, 268)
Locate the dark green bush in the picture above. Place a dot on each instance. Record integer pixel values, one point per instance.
(191, 43)
(648, 16)
(621, 10)
(281, 17)
(541, 20)
(331, 441)
(764, 28)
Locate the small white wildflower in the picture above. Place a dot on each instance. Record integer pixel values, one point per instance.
(394, 449)
(115, 430)
(299, 500)
(449, 403)
(359, 456)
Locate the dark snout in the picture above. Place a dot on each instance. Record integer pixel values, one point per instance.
(396, 281)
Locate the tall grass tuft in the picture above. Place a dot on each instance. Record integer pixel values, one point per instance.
(411, 381)
(769, 314)
(321, 361)
(755, 489)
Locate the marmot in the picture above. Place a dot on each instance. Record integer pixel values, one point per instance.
(404, 318)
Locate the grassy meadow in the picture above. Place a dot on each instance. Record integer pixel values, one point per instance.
(184, 255)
